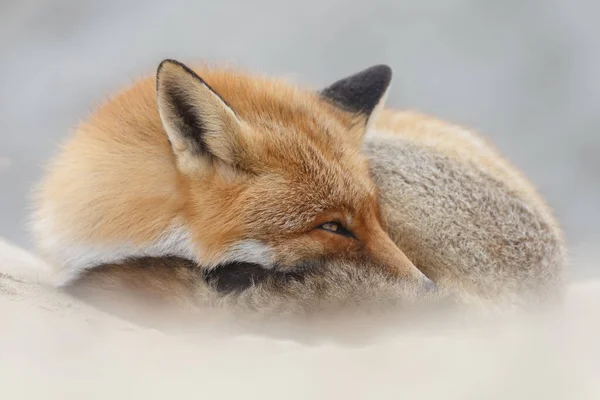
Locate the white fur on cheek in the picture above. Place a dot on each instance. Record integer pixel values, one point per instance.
(251, 251)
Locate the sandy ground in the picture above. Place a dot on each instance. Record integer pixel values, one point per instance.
(54, 347)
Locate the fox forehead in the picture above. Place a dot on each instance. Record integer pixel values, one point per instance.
(278, 109)
(305, 162)
(297, 136)
(262, 100)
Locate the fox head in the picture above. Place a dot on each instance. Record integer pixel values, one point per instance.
(273, 175)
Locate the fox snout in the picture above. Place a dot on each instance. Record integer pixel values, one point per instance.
(423, 285)
(429, 287)
(396, 263)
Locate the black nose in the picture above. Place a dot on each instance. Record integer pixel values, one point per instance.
(428, 286)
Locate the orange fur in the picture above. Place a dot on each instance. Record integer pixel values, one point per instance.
(297, 164)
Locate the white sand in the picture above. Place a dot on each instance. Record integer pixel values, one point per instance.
(54, 347)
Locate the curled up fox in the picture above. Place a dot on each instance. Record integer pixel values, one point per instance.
(217, 188)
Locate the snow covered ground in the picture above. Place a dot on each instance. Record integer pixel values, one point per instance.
(54, 347)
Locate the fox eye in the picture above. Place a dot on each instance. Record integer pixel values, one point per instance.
(336, 227)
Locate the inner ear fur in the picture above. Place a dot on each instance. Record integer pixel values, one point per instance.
(200, 124)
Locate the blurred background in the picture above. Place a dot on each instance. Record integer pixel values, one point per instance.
(526, 74)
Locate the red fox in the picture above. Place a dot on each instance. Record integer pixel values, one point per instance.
(219, 188)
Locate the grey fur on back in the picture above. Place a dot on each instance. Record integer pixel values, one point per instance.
(468, 231)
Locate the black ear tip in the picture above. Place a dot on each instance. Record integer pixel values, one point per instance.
(362, 91)
(382, 70)
(381, 73)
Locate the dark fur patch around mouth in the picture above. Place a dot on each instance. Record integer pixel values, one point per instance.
(239, 276)
(233, 277)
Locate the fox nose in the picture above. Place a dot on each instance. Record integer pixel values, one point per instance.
(429, 287)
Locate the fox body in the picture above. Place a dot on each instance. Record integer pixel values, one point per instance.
(215, 187)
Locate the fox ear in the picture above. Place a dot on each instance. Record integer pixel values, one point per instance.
(363, 93)
(200, 125)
